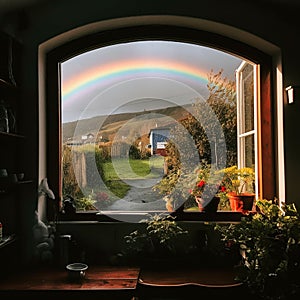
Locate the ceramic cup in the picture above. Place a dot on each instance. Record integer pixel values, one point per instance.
(20, 176)
(76, 271)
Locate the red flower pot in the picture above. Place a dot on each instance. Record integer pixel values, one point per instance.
(241, 202)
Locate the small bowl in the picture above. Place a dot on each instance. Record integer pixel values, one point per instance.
(76, 271)
(20, 176)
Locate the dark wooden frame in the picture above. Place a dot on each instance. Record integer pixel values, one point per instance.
(267, 174)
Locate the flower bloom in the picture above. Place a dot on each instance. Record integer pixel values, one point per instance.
(223, 189)
(201, 183)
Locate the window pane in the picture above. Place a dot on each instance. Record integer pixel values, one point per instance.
(136, 112)
(249, 151)
(248, 101)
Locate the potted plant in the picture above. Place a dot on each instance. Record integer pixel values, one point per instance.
(155, 241)
(269, 243)
(205, 188)
(238, 185)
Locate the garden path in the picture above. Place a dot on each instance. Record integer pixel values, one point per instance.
(140, 197)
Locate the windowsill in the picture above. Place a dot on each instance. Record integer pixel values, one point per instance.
(133, 217)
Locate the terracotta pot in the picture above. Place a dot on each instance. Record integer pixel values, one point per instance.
(209, 205)
(241, 202)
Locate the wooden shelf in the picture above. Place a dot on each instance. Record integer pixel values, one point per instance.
(24, 181)
(8, 135)
(7, 187)
(6, 84)
(11, 150)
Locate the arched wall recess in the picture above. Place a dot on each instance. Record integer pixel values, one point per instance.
(184, 22)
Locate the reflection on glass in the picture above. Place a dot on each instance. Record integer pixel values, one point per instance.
(138, 116)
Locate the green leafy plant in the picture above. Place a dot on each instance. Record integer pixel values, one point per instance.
(222, 102)
(204, 178)
(238, 180)
(204, 181)
(157, 239)
(269, 243)
(85, 203)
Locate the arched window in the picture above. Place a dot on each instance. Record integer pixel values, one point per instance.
(143, 86)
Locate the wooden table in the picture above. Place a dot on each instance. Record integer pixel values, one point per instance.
(47, 283)
(189, 275)
(189, 282)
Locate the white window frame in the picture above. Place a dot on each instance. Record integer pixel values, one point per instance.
(241, 132)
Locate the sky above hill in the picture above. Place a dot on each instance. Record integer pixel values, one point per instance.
(139, 76)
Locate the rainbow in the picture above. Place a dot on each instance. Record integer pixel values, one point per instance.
(122, 70)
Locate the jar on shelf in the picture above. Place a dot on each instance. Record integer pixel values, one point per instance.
(4, 120)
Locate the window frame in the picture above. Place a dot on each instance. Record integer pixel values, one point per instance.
(242, 132)
(266, 170)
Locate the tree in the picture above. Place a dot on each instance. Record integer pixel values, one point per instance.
(207, 135)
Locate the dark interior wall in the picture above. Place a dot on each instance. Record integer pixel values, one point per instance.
(34, 24)
(108, 244)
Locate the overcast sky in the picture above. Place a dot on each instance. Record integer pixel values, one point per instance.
(138, 76)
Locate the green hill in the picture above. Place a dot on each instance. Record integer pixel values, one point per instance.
(108, 126)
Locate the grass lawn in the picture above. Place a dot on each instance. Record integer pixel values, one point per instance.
(125, 169)
(133, 168)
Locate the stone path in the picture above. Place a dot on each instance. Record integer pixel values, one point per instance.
(140, 197)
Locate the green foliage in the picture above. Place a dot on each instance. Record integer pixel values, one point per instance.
(134, 152)
(104, 153)
(150, 167)
(204, 178)
(69, 183)
(106, 170)
(118, 187)
(201, 179)
(222, 107)
(138, 168)
(93, 201)
(238, 180)
(269, 242)
(85, 203)
(222, 99)
(90, 154)
(157, 240)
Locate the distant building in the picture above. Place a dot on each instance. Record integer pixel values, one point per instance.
(73, 142)
(88, 138)
(158, 139)
(85, 139)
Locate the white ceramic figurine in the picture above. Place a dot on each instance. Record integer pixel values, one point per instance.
(43, 235)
